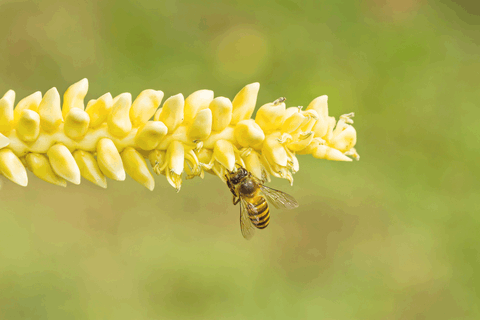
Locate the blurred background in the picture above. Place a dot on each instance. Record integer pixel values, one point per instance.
(393, 236)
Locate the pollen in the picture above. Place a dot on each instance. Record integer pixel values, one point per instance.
(111, 137)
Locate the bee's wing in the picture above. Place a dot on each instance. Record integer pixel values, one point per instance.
(279, 199)
(246, 226)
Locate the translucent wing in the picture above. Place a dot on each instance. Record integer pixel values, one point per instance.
(246, 226)
(279, 199)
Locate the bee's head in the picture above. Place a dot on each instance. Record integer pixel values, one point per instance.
(237, 176)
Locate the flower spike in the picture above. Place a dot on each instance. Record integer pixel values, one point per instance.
(113, 137)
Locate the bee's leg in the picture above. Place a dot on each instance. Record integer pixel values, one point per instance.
(235, 201)
(228, 182)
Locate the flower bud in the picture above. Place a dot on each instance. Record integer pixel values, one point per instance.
(109, 160)
(144, 106)
(40, 166)
(118, 121)
(63, 163)
(89, 168)
(31, 103)
(98, 110)
(28, 126)
(244, 102)
(136, 167)
(12, 168)
(76, 123)
(150, 134)
(221, 113)
(49, 111)
(6, 112)
(201, 127)
(171, 113)
(73, 97)
(195, 102)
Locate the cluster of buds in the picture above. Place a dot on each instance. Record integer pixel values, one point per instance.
(113, 136)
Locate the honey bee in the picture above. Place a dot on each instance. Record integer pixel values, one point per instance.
(253, 196)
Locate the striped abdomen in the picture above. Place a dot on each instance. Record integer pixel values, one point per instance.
(259, 213)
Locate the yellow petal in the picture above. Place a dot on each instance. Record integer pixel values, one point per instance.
(50, 111)
(157, 159)
(150, 134)
(4, 141)
(40, 166)
(31, 102)
(63, 163)
(244, 102)
(205, 155)
(195, 102)
(331, 125)
(344, 121)
(28, 126)
(176, 157)
(136, 167)
(274, 151)
(9, 96)
(98, 110)
(109, 160)
(320, 105)
(321, 127)
(172, 112)
(344, 140)
(119, 123)
(73, 97)
(325, 152)
(249, 134)
(253, 163)
(224, 153)
(221, 113)
(12, 168)
(201, 127)
(76, 123)
(175, 180)
(301, 141)
(270, 116)
(144, 106)
(293, 119)
(89, 168)
(6, 112)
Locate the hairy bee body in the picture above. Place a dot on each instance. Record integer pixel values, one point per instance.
(253, 195)
(258, 210)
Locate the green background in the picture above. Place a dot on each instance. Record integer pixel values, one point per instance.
(393, 236)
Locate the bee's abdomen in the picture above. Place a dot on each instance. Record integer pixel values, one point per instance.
(260, 215)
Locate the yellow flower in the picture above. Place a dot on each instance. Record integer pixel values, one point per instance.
(114, 136)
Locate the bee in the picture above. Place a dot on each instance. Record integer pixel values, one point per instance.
(253, 195)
